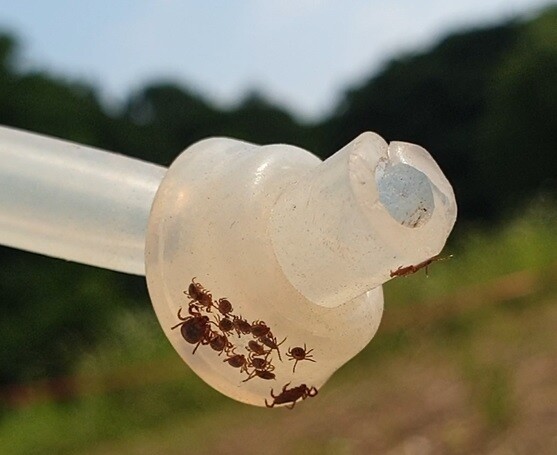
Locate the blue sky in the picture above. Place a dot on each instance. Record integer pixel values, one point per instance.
(301, 53)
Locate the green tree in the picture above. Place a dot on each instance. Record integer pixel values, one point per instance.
(170, 118)
(519, 129)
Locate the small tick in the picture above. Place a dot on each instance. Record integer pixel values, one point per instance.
(237, 361)
(298, 354)
(271, 342)
(256, 348)
(194, 329)
(259, 329)
(220, 343)
(224, 306)
(291, 395)
(197, 293)
(241, 326)
(410, 269)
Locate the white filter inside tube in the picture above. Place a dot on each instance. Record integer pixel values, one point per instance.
(406, 193)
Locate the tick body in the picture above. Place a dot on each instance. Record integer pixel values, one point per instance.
(259, 329)
(224, 307)
(220, 343)
(199, 295)
(225, 325)
(237, 361)
(298, 354)
(410, 269)
(260, 363)
(291, 395)
(241, 326)
(194, 329)
(271, 342)
(256, 348)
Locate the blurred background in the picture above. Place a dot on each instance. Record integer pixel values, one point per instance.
(465, 359)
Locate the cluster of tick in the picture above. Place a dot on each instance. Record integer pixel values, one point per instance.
(213, 323)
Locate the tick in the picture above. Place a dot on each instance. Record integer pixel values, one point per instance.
(259, 329)
(271, 342)
(197, 293)
(298, 354)
(194, 329)
(291, 395)
(410, 269)
(241, 325)
(224, 306)
(237, 361)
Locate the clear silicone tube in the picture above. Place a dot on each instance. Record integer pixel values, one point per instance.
(74, 202)
(300, 245)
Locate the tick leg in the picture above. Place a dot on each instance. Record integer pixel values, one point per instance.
(196, 346)
(278, 352)
(180, 315)
(252, 375)
(177, 325)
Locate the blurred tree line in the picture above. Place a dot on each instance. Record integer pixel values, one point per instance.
(482, 101)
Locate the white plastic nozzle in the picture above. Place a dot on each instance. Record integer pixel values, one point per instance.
(367, 210)
(295, 245)
(300, 244)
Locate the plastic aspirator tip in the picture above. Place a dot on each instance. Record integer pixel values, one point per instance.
(264, 264)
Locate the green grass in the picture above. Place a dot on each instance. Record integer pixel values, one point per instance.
(149, 389)
(140, 355)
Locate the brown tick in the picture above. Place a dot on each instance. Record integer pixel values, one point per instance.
(259, 329)
(220, 343)
(298, 354)
(241, 325)
(262, 368)
(410, 269)
(237, 361)
(260, 363)
(256, 348)
(197, 293)
(271, 342)
(225, 325)
(291, 395)
(224, 306)
(194, 329)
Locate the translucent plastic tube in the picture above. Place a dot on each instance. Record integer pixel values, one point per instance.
(254, 255)
(74, 202)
